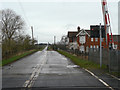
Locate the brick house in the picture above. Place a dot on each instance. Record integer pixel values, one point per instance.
(94, 42)
(81, 40)
(116, 40)
(72, 39)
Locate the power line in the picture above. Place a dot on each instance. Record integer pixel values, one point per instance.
(21, 6)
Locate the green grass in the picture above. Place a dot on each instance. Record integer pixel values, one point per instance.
(82, 63)
(88, 64)
(117, 74)
(49, 48)
(15, 58)
(41, 48)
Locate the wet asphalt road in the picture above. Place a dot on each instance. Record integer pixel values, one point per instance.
(48, 69)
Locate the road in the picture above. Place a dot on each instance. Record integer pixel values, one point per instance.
(48, 70)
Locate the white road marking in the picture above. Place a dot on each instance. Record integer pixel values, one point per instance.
(72, 66)
(35, 73)
(99, 79)
(113, 76)
(64, 58)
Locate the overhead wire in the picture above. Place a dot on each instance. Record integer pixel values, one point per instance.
(21, 6)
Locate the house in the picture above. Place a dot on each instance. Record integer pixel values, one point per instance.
(116, 40)
(82, 40)
(85, 41)
(73, 44)
(72, 39)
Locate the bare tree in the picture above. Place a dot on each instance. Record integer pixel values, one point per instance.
(64, 40)
(11, 24)
(13, 40)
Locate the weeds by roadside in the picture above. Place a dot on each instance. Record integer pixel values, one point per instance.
(82, 63)
(16, 57)
(87, 64)
(49, 48)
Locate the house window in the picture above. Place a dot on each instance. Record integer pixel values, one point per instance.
(94, 46)
(92, 39)
(82, 39)
(91, 46)
(97, 46)
(115, 46)
(87, 49)
(102, 40)
(96, 39)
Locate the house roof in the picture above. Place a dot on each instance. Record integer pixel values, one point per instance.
(86, 31)
(72, 33)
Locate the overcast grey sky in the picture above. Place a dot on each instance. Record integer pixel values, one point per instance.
(56, 18)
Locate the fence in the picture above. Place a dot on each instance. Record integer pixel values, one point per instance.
(114, 60)
(76, 51)
(111, 58)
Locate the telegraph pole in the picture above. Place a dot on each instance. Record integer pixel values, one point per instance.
(37, 39)
(32, 31)
(54, 40)
(32, 34)
(100, 46)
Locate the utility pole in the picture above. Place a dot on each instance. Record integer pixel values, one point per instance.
(32, 31)
(100, 46)
(54, 40)
(37, 39)
(32, 34)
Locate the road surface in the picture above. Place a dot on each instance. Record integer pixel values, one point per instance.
(48, 70)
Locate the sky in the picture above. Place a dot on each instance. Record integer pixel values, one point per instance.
(51, 18)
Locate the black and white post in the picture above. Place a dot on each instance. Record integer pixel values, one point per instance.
(100, 47)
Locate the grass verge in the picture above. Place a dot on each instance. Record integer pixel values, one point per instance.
(49, 48)
(82, 63)
(41, 48)
(88, 64)
(16, 57)
(117, 74)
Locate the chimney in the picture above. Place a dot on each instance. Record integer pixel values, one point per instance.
(78, 28)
